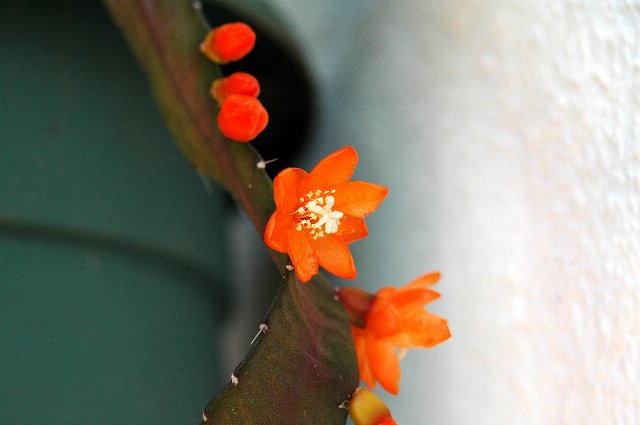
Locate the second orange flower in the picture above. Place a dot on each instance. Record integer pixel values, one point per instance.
(393, 319)
(319, 213)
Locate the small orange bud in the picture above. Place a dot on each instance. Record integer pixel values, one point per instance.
(366, 408)
(229, 42)
(242, 118)
(236, 83)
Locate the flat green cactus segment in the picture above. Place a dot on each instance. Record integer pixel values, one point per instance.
(301, 367)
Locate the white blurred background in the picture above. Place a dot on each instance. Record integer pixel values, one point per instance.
(508, 134)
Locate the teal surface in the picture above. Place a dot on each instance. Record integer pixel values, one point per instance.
(112, 265)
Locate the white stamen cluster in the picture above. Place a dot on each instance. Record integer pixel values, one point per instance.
(316, 213)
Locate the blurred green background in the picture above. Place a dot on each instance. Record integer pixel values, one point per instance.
(112, 254)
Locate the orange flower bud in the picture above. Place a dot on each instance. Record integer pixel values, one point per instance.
(229, 42)
(366, 408)
(236, 83)
(242, 118)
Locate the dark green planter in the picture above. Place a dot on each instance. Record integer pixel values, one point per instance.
(111, 252)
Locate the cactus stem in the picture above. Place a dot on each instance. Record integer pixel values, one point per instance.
(234, 379)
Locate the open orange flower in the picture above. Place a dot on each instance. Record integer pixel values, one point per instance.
(318, 214)
(396, 319)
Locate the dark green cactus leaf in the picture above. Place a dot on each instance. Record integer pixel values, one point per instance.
(301, 368)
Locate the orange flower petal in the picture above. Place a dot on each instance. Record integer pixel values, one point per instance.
(275, 233)
(302, 253)
(358, 198)
(285, 189)
(351, 229)
(422, 330)
(384, 364)
(413, 299)
(387, 292)
(383, 319)
(423, 281)
(332, 170)
(360, 343)
(420, 283)
(335, 257)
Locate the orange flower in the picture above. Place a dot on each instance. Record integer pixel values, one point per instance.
(229, 42)
(242, 118)
(395, 320)
(236, 83)
(366, 408)
(318, 214)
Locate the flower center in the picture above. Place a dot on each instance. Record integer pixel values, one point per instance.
(316, 213)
